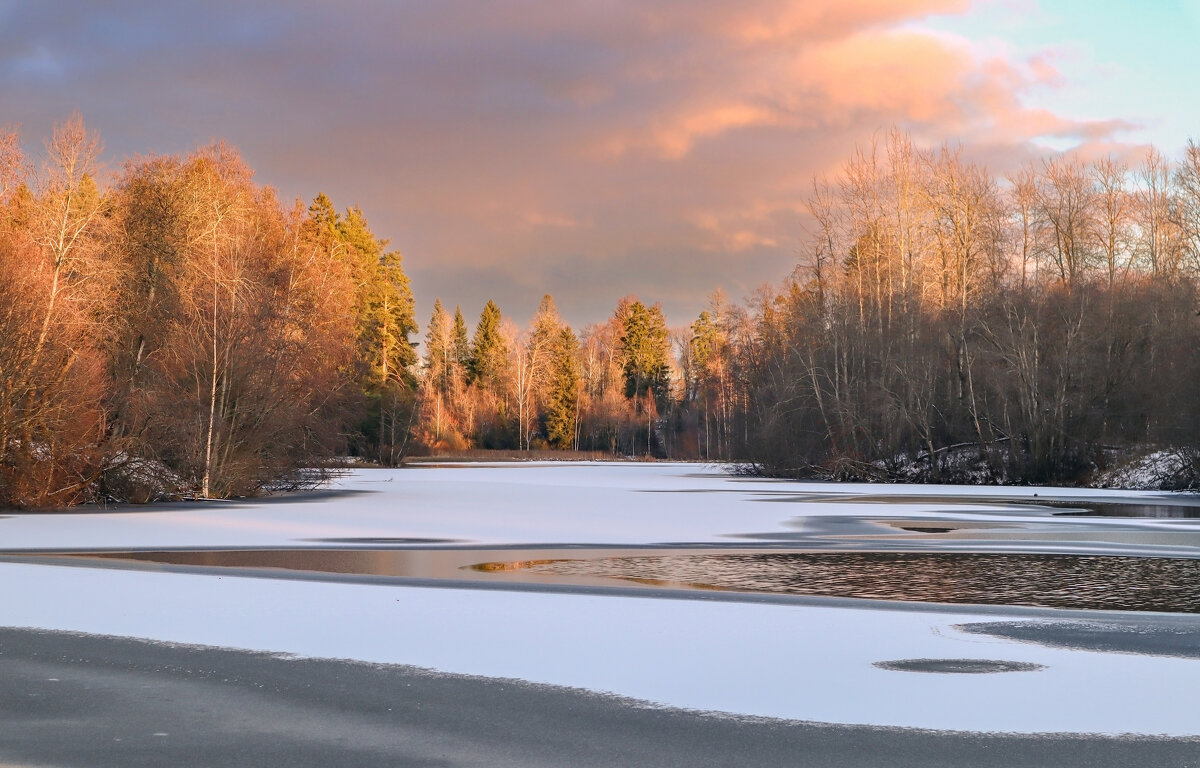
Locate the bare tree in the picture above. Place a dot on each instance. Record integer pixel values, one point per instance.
(1186, 209)
(1066, 199)
(12, 163)
(1109, 177)
(1159, 245)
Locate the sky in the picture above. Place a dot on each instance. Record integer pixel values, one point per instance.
(593, 149)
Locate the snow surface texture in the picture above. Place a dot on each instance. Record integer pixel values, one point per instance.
(808, 662)
(540, 503)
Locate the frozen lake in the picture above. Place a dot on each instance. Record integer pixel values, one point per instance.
(624, 579)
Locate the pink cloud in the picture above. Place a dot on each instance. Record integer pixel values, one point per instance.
(589, 149)
(909, 76)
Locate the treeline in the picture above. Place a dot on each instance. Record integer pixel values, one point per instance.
(950, 326)
(944, 325)
(181, 332)
(184, 333)
(544, 387)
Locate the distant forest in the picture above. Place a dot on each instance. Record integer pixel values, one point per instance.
(183, 333)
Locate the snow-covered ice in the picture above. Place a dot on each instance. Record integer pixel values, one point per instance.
(809, 661)
(539, 503)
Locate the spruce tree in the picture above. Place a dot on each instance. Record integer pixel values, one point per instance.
(562, 405)
(489, 353)
(462, 347)
(546, 323)
(322, 216)
(644, 352)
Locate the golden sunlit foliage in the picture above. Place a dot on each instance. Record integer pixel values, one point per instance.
(182, 333)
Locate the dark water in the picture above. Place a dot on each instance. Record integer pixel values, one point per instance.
(1180, 505)
(958, 666)
(1058, 581)
(1091, 509)
(1145, 637)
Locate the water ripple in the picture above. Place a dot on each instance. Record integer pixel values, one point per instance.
(1058, 581)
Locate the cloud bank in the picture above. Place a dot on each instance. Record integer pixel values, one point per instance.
(509, 148)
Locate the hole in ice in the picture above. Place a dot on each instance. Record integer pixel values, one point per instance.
(957, 666)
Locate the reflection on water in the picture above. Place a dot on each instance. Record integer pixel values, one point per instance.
(1059, 581)
(398, 563)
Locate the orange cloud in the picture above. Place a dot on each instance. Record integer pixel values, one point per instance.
(780, 64)
(912, 76)
(588, 149)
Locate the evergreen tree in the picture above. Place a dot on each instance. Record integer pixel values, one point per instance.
(565, 380)
(489, 353)
(546, 322)
(381, 304)
(706, 340)
(543, 336)
(644, 352)
(390, 320)
(384, 305)
(323, 219)
(462, 347)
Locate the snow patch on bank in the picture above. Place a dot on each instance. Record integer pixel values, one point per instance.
(1159, 470)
